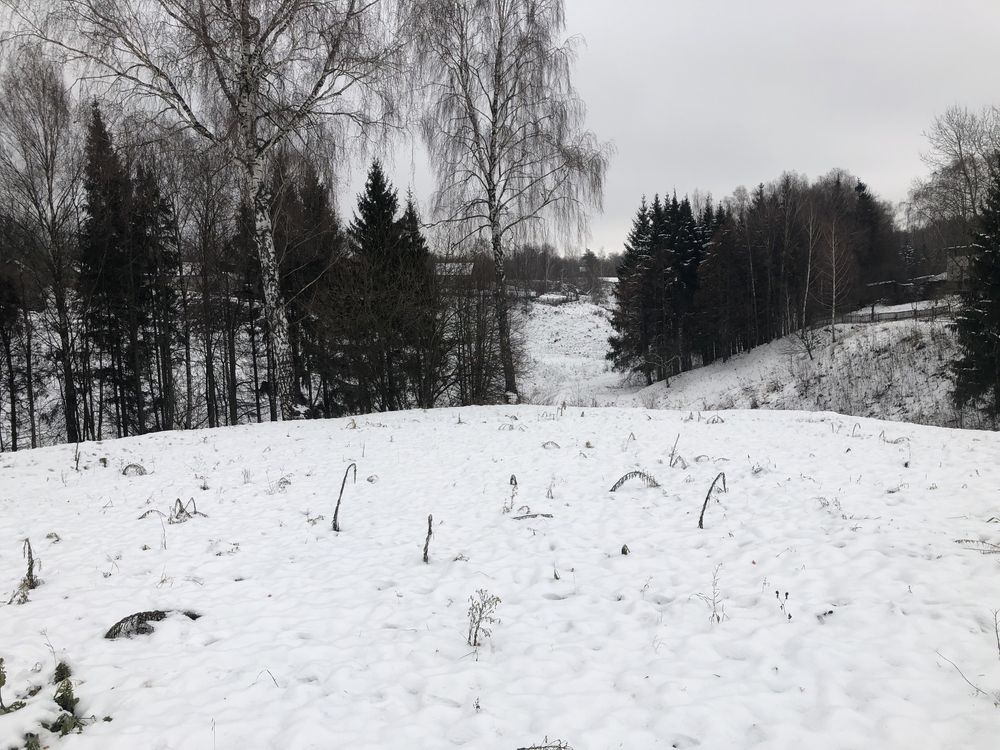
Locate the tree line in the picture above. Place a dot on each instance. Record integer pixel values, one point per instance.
(131, 299)
(956, 211)
(701, 281)
(183, 265)
(489, 83)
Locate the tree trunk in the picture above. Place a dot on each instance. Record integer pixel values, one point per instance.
(503, 316)
(29, 374)
(232, 401)
(11, 389)
(254, 357)
(274, 308)
(188, 374)
(66, 362)
(210, 402)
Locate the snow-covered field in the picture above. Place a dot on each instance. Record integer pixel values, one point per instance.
(308, 638)
(896, 371)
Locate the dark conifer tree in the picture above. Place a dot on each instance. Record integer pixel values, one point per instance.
(688, 246)
(376, 243)
(424, 328)
(630, 344)
(11, 372)
(155, 253)
(307, 233)
(109, 287)
(977, 370)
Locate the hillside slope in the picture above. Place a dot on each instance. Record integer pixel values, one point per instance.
(896, 371)
(820, 607)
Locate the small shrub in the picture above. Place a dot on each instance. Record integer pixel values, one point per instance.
(65, 698)
(65, 724)
(3, 681)
(179, 513)
(482, 607)
(30, 580)
(63, 672)
(714, 602)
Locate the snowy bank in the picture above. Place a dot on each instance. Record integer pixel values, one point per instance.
(826, 603)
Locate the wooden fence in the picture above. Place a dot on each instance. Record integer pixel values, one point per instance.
(922, 313)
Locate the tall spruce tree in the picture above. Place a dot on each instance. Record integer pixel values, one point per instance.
(424, 332)
(977, 371)
(109, 287)
(309, 241)
(630, 344)
(376, 243)
(155, 260)
(660, 284)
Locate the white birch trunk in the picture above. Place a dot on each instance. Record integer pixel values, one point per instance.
(274, 306)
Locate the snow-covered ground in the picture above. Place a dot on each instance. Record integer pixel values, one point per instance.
(565, 348)
(826, 603)
(897, 371)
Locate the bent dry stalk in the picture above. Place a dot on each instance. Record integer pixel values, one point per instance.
(721, 475)
(336, 511)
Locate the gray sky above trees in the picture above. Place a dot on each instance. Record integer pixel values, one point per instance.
(712, 95)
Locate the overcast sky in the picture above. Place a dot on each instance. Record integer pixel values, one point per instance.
(715, 94)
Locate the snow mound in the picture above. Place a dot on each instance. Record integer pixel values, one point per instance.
(825, 604)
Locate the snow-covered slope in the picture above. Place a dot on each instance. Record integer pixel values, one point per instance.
(565, 347)
(897, 371)
(825, 604)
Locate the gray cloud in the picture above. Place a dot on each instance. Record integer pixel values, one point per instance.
(712, 95)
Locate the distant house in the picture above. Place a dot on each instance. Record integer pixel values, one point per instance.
(455, 271)
(958, 259)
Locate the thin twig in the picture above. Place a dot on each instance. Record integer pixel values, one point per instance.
(979, 691)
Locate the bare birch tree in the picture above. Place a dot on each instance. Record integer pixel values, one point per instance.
(812, 241)
(504, 128)
(836, 269)
(40, 176)
(245, 74)
(961, 143)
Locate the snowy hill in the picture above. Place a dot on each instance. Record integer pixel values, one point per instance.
(825, 604)
(896, 371)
